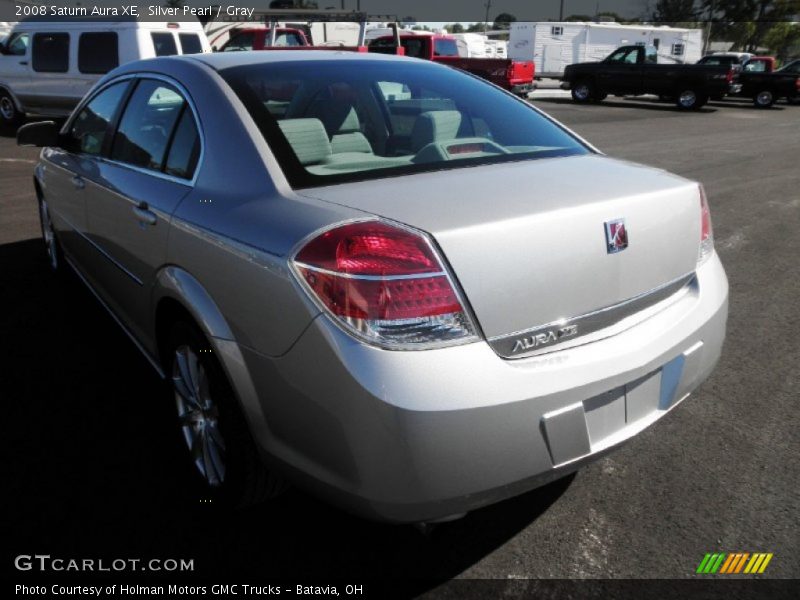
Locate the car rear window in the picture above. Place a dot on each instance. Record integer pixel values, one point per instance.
(98, 52)
(190, 43)
(164, 44)
(334, 121)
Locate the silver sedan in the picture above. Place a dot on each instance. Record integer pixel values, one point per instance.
(379, 278)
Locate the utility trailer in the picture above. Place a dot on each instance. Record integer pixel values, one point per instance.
(554, 45)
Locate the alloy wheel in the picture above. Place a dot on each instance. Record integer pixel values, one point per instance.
(582, 92)
(687, 99)
(198, 415)
(764, 98)
(7, 109)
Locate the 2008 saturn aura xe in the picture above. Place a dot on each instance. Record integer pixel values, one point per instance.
(382, 279)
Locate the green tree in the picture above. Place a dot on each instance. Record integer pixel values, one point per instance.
(503, 21)
(475, 28)
(454, 28)
(781, 38)
(747, 22)
(675, 11)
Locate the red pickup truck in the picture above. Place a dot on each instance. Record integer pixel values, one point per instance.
(513, 75)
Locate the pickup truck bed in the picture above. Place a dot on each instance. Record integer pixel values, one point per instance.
(515, 76)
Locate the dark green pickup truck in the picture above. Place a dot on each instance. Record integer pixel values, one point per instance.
(634, 70)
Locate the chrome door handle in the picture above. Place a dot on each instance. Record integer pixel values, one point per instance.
(144, 215)
(78, 182)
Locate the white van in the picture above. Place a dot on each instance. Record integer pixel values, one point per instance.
(46, 67)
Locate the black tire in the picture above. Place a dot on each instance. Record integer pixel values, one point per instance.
(55, 256)
(583, 92)
(690, 99)
(10, 116)
(764, 99)
(245, 480)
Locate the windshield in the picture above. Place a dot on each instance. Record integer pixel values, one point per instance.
(329, 121)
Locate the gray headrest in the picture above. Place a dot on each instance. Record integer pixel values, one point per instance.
(435, 126)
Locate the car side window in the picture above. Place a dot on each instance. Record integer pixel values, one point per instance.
(18, 44)
(90, 127)
(445, 48)
(241, 41)
(164, 44)
(290, 38)
(414, 48)
(190, 43)
(98, 52)
(184, 151)
(147, 124)
(51, 52)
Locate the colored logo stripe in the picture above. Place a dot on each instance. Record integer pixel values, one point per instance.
(734, 562)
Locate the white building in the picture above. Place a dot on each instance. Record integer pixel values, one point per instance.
(554, 45)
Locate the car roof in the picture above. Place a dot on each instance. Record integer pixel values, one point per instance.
(226, 60)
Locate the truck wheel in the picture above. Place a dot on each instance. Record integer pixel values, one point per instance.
(218, 439)
(764, 99)
(583, 91)
(9, 115)
(690, 99)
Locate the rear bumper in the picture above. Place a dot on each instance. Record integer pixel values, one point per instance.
(565, 85)
(523, 89)
(416, 436)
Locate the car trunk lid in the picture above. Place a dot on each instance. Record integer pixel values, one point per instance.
(528, 242)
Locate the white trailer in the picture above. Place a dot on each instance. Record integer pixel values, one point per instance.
(554, 45)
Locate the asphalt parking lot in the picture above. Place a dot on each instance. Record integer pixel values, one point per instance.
(93, 464)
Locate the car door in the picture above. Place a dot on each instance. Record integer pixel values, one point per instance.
(66, 168)
(621, 72)
(148, 169)
(15, 65)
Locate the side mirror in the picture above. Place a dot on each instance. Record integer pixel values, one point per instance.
(41, 134)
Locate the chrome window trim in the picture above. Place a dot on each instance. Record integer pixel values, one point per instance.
(588, 323)
(138, 76)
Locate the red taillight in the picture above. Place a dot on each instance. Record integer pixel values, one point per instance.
(706, 232)
(797, 84)
(383, 283)
(730, 76)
